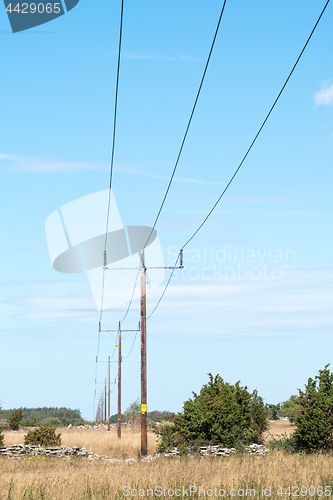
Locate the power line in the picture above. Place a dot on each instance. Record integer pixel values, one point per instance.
(188, 124)
(110, 182)
(130, 303)
(247, 152)
(165, 289)
(113, 145)
(181, 148)
(260, 129)
(136, 333)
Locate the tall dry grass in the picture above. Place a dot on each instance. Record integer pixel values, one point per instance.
(278, 428)
(52, 479)
(38, 478)
(97, 440)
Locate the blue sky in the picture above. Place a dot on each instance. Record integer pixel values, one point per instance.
(270, 327)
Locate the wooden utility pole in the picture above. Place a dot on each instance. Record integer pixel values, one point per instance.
(109, 392)
(105, 406)
(144, 445)
(102, 408)
(119, 382)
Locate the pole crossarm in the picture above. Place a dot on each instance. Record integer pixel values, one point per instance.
(181, 266)
(121, 268)
(116, 331)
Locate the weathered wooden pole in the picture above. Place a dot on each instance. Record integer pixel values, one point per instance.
(109, 391)
(144, 444)
(119, 382)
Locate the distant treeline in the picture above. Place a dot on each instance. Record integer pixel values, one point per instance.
(154, 416)
(62, 417)
(47, 416)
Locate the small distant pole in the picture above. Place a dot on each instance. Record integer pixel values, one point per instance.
(109, 390)
(105, 407)
(102, 408)
(119, 382)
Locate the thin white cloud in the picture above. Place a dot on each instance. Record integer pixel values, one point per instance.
(250, 213)
(298, 303)
(325, 96)
(161, 58)
(39, 164)
(146, 173)
(17, 163)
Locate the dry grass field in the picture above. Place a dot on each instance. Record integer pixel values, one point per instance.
(97, 440)
(279, 428)
(38, 478)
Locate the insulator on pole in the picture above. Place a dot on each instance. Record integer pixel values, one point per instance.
(181, 259)
(139, 325)
(143, 258)
(104, 258)
(99, 326)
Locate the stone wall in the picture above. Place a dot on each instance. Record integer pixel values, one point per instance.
(21, 450)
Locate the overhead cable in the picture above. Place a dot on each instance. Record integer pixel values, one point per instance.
(113, 146)
(259, 131)
(110, 181)
(247, 152)
(188, 125)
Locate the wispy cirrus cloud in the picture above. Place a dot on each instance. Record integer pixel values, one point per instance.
(325, 96)
(147, 173)
(43, 164)
(161, 58)
(16, 163)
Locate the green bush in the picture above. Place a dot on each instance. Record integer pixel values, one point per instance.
(1, 438)
(274, 411)
(314, 423)
(291, 408)
(43, 436)
(283, 443)
(51, 422)
(15, 419)
(222, 414)
(23, 423)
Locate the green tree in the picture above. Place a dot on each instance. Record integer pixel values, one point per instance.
(43, 436)
(291, 408)
(15, 419)
(221, 414)
(315, 422)
(274, 411)
(35, 422)
(133, 412)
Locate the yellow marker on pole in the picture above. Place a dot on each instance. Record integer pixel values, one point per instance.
(143, 409)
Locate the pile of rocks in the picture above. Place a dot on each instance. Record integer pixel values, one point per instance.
(28, 450)
(21, 450)
(218, 451)
(96, 426)
(256, 449)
